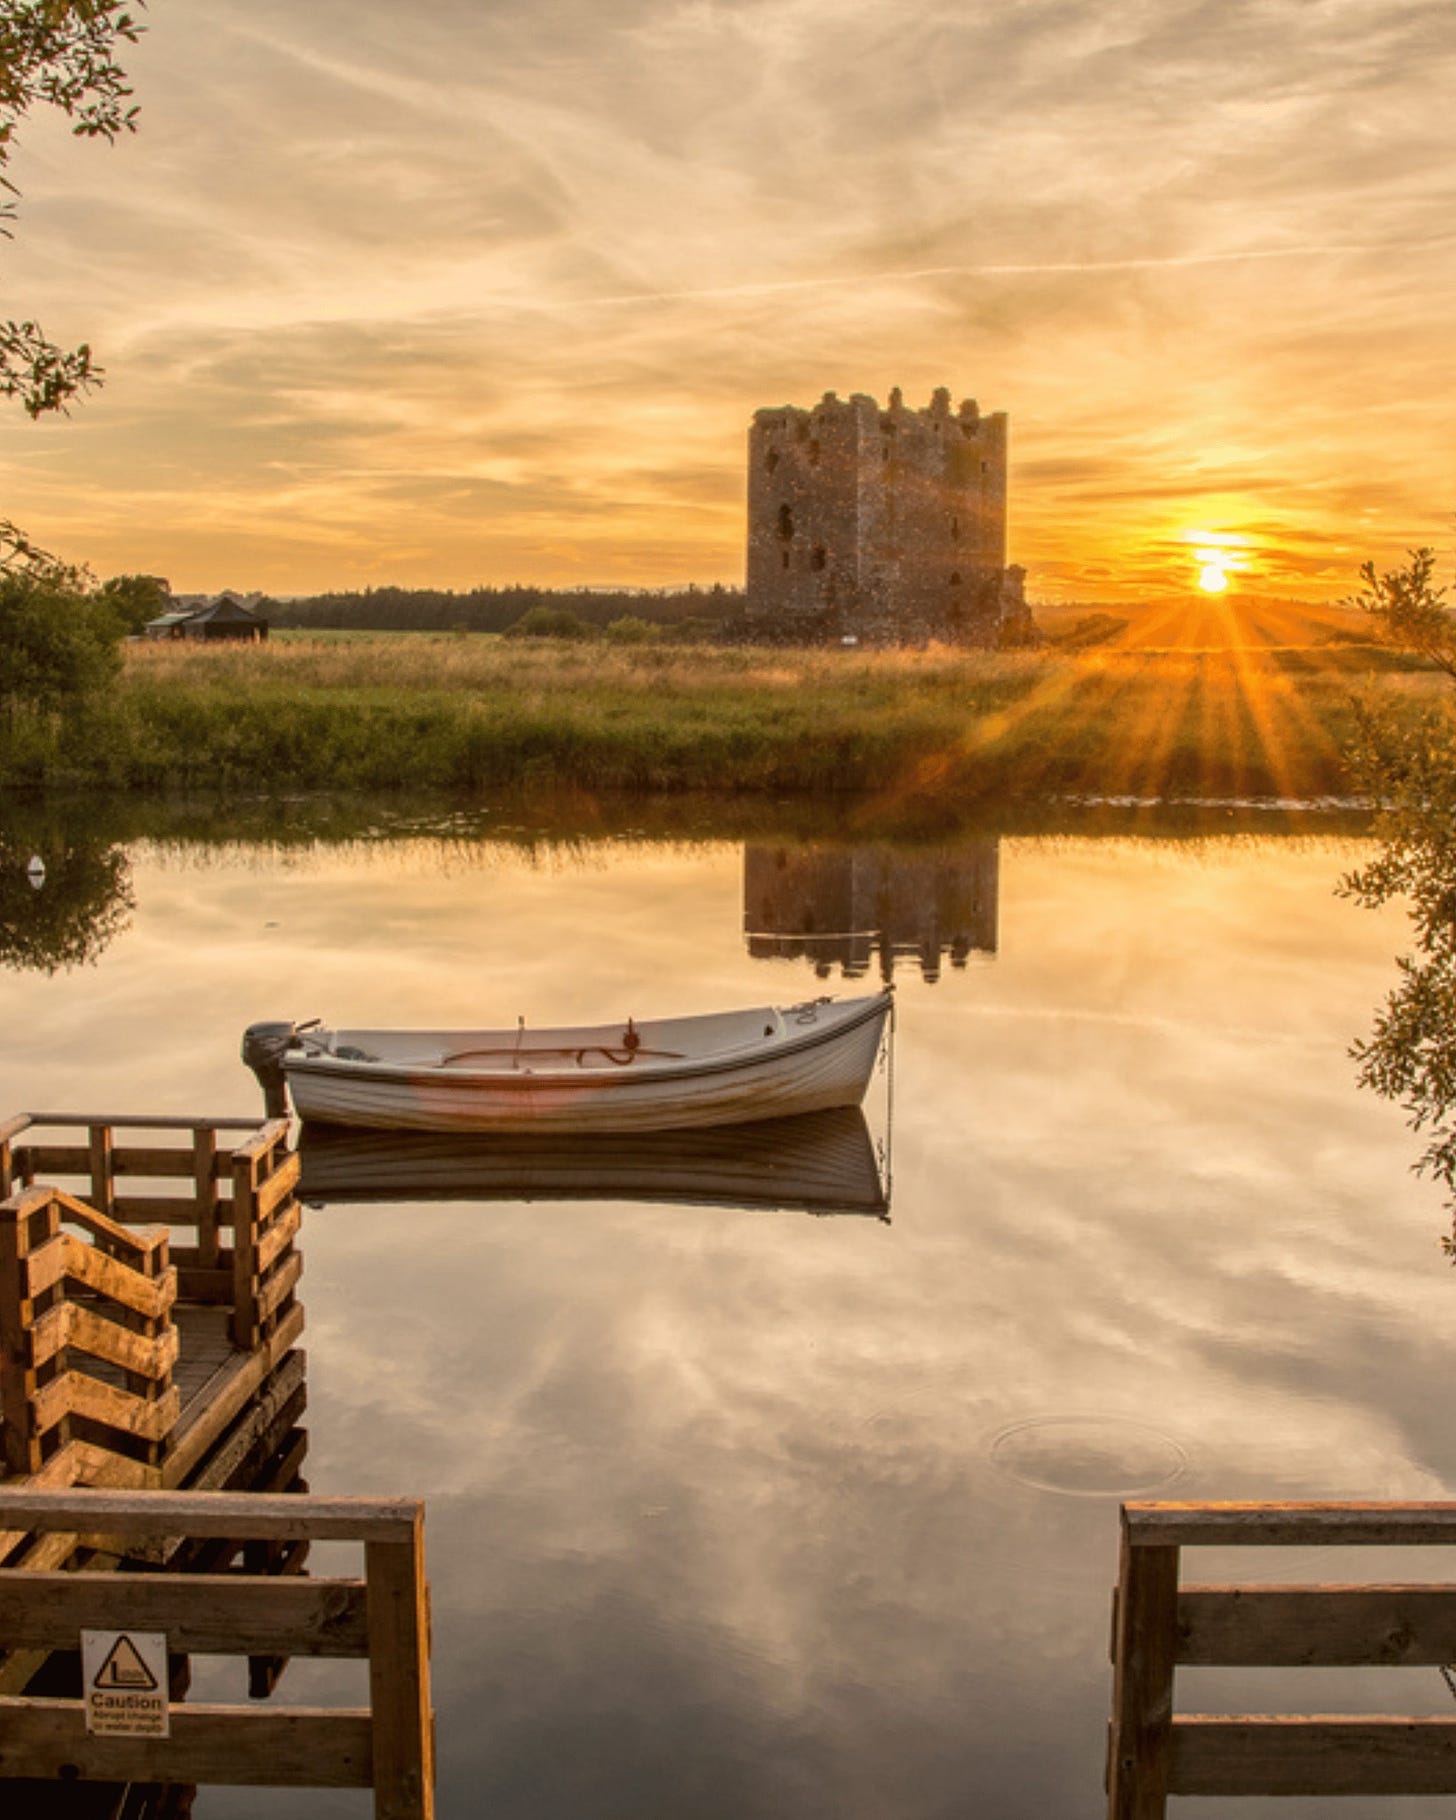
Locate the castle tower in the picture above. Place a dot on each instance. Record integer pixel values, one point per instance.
(884, 525)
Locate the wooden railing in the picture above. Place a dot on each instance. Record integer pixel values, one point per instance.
(97, 1294)
(382, 1616)
(248, 1262)
(82, 1288)
(1159, 1625)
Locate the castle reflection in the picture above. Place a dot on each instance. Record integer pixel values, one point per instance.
(857, 908)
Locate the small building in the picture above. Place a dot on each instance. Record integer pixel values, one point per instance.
(225, 617)
(887, 526)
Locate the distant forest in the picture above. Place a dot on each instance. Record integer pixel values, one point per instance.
(500, 609)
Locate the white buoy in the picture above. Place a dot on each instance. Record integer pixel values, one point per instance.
(35, 871)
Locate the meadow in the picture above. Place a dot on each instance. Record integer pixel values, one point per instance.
(1205, 702)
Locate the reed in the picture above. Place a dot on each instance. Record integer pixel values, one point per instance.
(470, 713)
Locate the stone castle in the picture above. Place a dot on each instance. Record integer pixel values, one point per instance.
(887, 526)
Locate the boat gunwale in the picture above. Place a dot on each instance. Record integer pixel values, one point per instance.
(332, 1067)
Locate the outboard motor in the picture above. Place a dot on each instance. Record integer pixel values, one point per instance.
(264, 1046)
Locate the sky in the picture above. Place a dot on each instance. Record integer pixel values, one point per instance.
(487, 291)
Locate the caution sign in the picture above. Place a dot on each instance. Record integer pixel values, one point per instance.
(125, 1677)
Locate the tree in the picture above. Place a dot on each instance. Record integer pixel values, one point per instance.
(136, 599)
(62, 54)
(1409, 769)
(1409, 611)
(60, 643)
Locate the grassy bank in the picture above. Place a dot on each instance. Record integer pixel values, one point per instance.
(467, 714)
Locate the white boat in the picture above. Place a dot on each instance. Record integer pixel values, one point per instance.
(664, 1074)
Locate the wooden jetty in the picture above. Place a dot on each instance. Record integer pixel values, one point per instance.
(1160, 1624)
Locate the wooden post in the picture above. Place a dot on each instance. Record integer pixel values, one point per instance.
(399, 1677)
(17, 1328)
(1146, 1641)
(103, 1179)
(204, 1181)
(245, 1252)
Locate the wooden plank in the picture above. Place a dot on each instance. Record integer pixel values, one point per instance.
(157, 1209)
(1334, 1754)
(399, 1676)
(280, 1285)
(1291, 1525)
(75, 1394)
(1317, 1626)
(122, 1240)
(1142, 1699)
(137, 1121)
(68, 1256)
(241, 1515)
(73, 1324)
(279, 1186)
(13, 1126)
(263, 1139)
(215, 1614)
(305, 1747)
(279, 1236)
(274, 1410)
(131, 1159)
(225, 1397)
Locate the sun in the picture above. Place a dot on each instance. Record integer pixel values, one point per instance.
(1213, 578)
(1217, 555)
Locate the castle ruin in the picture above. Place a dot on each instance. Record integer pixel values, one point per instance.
(887, 526)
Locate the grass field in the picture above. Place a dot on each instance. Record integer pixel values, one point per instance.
(1192, 699)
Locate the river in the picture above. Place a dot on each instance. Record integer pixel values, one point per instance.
(736, 1512)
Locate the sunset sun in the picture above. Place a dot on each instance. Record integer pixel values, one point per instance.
(1213, 578)
(1216, 555)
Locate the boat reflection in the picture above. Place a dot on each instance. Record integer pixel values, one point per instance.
(820, 1163)
(865, 906)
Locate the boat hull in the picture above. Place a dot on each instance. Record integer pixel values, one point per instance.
(810, 1059)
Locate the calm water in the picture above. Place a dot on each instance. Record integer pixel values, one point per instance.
(737, 1513)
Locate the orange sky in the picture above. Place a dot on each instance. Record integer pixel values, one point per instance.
(489, 292)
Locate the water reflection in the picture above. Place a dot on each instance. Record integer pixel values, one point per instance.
(822, 1163)
(65, 912)
(746, 1517)
(855, 907)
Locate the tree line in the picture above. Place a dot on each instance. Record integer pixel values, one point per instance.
(502, 609)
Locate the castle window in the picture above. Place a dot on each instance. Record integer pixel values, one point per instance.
(955, 580)
(786, 559)
(985, 467)
(814, 451)
(955, 530)
(771, 460)
(818, 557)
(885, 452)
(786, 524)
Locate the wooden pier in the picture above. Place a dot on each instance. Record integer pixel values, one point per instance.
(1160, 1624)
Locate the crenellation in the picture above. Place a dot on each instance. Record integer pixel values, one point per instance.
(882, 525)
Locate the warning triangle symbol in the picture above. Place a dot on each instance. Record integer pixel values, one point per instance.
(125, 1668)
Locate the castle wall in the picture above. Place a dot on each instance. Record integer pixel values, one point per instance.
(886, 524)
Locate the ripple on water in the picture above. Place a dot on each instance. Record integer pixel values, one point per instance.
(1088, 1456)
